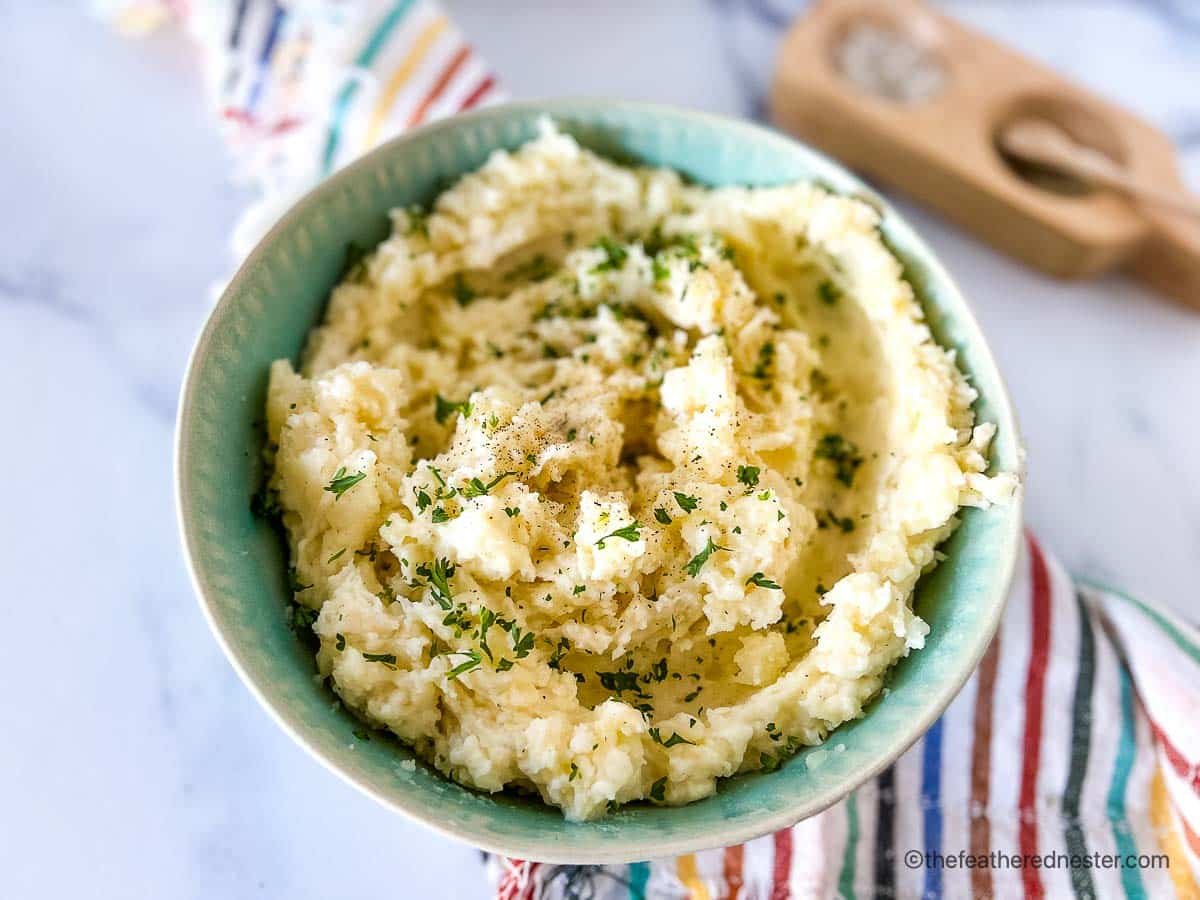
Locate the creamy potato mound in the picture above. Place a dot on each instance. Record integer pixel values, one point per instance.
(604, 485)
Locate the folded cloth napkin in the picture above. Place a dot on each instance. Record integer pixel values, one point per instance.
(1070, 762)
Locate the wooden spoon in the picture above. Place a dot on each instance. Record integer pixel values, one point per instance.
(1044, 143)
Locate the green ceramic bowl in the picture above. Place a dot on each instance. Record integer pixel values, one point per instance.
(238, 564)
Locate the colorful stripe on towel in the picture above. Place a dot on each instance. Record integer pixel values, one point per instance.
(301, 89)
(1079, 735)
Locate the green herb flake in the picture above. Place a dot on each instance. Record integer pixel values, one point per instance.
(830, 519)
(578, 589)
(672, 741)
(758, 579)
(438, 576)
(361, 734)
(628, 532)
(697, 562)
(339, 641)
(829, 292)
(335, 556)
(476, 488)
(440, 515)
(618, 682)
(766, 357)
(486, 619)
(560, 651)
(658, 790)
(463, 292)
(388, 659)
(686, 503)
(444, 408)
(301, 619)
(842, 453)
(614, 255)
(661, 516)
(354, 263)
(294, 581)
(341, 482)
(748, 475)
(472, 662)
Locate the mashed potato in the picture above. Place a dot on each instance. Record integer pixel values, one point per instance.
(607, 486)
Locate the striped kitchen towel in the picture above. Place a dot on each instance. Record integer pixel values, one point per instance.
(302, 87)
(1069, 766)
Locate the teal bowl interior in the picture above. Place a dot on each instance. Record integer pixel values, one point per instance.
(238, 563)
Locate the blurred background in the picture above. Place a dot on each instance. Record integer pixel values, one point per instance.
(134, 764)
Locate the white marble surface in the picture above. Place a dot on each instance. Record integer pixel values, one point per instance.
(132, 762)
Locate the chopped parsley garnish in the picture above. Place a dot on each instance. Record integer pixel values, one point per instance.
(486, 619)
(829, 518)
(748, 475)
(444, 408)
(438, 577)
(388, 659)
(758, 579)
(341, 482)
(628, 532)
(660, 270)
(463, 292)
(512, 512)
(618, 682)
(301, 619)
(265, 502)
(614, 255)
(418, 221)
(578, 589)
(294, 581)
(560, 651)
(522, 643)
(661, 516)
(473, 661)
(842, 453)
(658, 790)
(686, 502)
(361, 734)
(354, 265)
(828, 292)
(339, 641)
(698, 561)
(440, 515)
(423, 501)
(476, 488)
(674, 739)
(335, 556)
(766, 356)
(574, 772)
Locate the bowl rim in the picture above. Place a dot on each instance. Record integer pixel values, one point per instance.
(609, 853)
